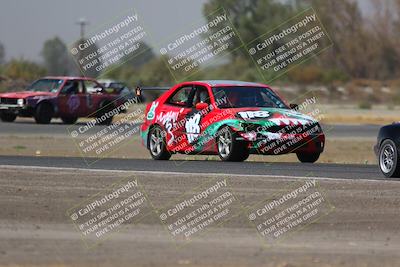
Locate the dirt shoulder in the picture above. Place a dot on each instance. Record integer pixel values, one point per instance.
(361, 230)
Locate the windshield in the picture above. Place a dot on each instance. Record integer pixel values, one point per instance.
(46, 85)
(240, 97)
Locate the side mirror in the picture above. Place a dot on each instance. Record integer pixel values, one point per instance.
(200, 106)
(294, 106)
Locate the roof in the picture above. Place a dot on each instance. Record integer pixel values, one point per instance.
(68, 78)
(230, 83)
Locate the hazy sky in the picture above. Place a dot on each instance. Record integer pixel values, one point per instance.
(26, 24)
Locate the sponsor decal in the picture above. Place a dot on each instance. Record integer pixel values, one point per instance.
(289, 121)
(192, 126)
(73, 103)
(258, 114)
(151, 114)
(168, 119)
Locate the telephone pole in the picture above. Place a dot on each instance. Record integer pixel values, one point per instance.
(82, 23)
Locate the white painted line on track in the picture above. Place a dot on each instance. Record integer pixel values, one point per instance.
(190, 174)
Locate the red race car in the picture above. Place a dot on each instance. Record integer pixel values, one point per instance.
(231, 119)
(68, 98)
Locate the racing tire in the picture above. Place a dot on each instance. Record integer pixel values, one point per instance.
(157, 144)
(230, 149)
(389, 160)
(308, 157)
(69, 120)
(105, 107)
(7, 117)
(44, 113)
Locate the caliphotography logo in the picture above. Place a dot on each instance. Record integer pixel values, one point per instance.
(109, 129)
(108, 211)
(205, 207)
(285, 214)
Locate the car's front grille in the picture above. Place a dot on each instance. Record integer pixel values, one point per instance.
(8, 101)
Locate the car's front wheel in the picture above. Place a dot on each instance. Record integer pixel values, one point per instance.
(157, 145)
(44, 113)
(7, 117)
(230, 149)
(389, 161)
(308, 157)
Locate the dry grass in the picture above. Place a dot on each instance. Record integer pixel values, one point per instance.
(349, 114)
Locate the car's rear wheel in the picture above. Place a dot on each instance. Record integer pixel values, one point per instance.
(389, 161)
(230, 149)
(157, 146)
(7, 117)
(44, 113)
(308, 157)
(69, 120)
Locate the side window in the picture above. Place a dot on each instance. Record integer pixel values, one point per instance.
(70, 88)
(81, 88)
(182, 97)
(73, 87)
(91, 87)
(201, 95)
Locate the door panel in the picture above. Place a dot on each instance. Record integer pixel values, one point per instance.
(73, 100)
(173, 115)
(197, 121)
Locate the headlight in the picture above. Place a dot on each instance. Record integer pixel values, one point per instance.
(20, 102)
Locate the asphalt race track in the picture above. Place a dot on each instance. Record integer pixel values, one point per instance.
(56, 128)
(342, 171)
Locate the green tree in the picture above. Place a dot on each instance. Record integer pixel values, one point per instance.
(154, 73)
(56, 58)
(21, 69)
(130, 67)
(141, 56)
(251, 18)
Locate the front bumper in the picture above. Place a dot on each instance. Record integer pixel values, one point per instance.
(20, 110)
(284, 144)
(276, 140)
(11, 107)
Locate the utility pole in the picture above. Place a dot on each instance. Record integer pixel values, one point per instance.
(82, 23)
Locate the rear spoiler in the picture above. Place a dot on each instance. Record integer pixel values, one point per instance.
(139, 89)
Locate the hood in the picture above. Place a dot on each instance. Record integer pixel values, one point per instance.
(25, 94)
(278, 116)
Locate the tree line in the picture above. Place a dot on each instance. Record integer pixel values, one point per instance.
(365, 46)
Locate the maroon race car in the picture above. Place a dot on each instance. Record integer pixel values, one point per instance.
(231, 119)
(68, 98)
